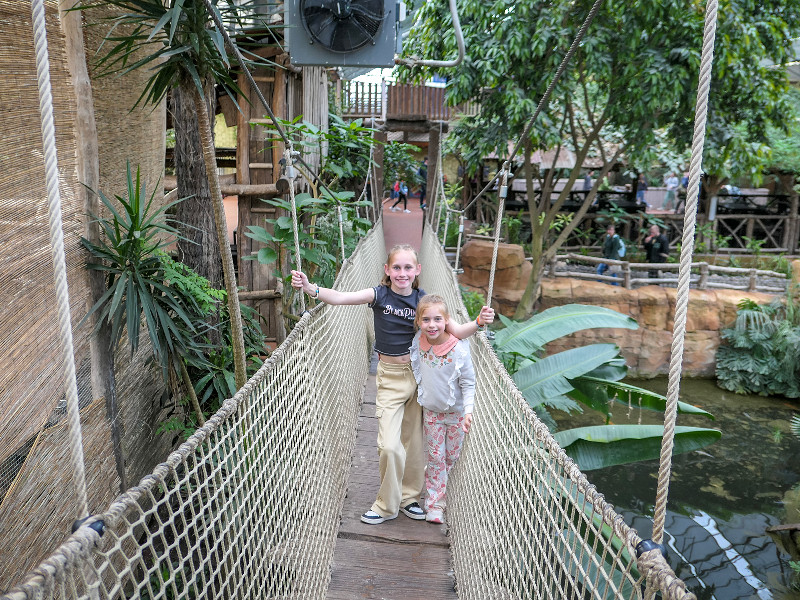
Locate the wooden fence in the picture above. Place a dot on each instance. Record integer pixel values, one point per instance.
(700, 277)
(397, 101)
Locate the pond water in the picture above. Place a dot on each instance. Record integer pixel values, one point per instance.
(721, 498)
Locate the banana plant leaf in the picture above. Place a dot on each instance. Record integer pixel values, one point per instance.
(549, 377)
(598, 394)
(529, 337)
(608, 445)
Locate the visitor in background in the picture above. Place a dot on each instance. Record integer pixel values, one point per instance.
(612, 245)
(442, 366)
(402, 190)
(671, 182)
(423, 186)
(641, 188)
(656, 246)
(587, 181)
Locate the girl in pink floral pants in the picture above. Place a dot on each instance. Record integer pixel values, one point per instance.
(442, 366)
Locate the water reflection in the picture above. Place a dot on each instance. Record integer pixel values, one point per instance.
(722, 498)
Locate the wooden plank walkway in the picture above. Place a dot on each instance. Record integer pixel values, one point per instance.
(401, 559)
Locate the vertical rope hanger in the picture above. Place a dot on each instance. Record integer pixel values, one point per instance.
(687, 249)
(501, 196)
(288, 155)
(58, 254)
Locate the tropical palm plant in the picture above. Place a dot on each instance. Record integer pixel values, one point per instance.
(136, 291)
(179, 43)
(588, 376)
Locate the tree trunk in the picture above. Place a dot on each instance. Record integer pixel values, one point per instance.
(200, 250)
(207, 143)
(101, 350)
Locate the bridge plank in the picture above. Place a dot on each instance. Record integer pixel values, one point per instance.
(400, 559)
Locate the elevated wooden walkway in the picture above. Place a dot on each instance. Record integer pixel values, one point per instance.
(396, 560)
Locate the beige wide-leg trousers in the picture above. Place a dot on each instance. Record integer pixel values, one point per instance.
(400, 448)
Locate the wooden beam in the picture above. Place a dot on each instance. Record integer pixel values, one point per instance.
(260, 295)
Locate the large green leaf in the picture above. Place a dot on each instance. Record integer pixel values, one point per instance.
(549, 377)
(528, 337)
(599, 393)
(608, 445)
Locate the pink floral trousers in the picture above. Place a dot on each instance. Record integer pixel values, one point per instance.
(443, 439)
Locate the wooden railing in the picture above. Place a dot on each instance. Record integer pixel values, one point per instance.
(397, 101)
(700, 277)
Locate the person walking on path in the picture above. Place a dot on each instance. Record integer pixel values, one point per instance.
(402, 190)
(423, 177)
(656, 246)
(641, 188)
(442, 366)
(612, 247)
(400, 445)
(672, 188)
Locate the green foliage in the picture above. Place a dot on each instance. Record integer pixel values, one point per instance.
(586, 375)
(608, 445)
(144, 284)
(794, 425)
(347, 160)
(473, 302)
(512, 227)
(627, 89)
(345, 166)
(135, 289)
(784, 139)
(399, 163)
(319, 243)
(177, 41)
(762, 350)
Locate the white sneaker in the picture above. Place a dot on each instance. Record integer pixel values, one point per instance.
(372, 518)
(395, 209)
(406, 211)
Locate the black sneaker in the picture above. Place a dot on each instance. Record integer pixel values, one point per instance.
(413, 511)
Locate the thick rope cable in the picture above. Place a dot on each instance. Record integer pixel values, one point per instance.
(59, 260)
(290, 174)
(497, 225)
(687, 249)
(458, 243)
(546, 97)
(341, 230)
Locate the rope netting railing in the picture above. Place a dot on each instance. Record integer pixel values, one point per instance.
(249, 506)
(524, 521)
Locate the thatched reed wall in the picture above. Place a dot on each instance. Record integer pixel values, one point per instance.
(36, 498)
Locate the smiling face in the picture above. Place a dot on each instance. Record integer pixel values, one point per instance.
(433, 323)
(402, 269)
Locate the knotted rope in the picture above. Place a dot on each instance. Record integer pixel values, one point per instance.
(57, 251)
(687, 248)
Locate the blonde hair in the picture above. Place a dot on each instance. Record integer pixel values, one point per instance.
(395, 249)
(425, 303)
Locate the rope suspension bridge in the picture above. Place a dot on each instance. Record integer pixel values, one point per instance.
(249, 506)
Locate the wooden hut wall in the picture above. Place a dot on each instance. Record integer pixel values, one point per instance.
(37, 503)
(259, 153)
